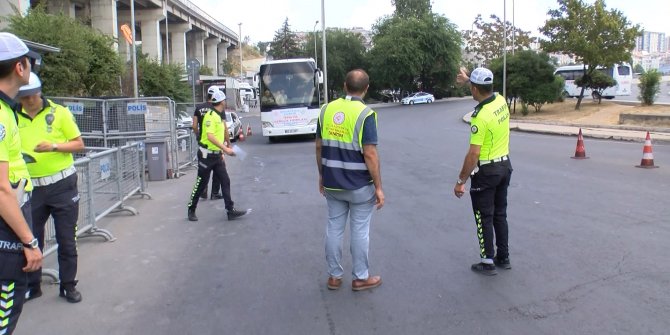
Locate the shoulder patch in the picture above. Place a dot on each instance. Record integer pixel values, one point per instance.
(474, 129)
(3, 132)
(208, 123)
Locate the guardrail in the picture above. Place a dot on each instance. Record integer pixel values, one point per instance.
(187, 147)
(106, 179)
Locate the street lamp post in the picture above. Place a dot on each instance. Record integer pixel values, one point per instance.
(133, 49)
(505, 49)
(323, 52)
(316, 57)
(241, 67)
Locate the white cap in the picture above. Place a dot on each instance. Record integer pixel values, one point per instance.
(218, 96)
(12, 47)
(213, 89)
(481, 76)
(34, 86)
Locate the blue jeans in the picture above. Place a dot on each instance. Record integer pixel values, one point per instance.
(358, 206)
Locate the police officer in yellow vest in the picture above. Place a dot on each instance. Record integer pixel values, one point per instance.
(349, 178)
(212, 141)
(19, 249)
(488, 164)
(50, 135)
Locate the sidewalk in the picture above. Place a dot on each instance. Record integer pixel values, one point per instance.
(622, 133)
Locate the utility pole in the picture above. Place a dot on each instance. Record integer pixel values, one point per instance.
(316, 57)
(241, 67)
(134, 49)
(505, 50)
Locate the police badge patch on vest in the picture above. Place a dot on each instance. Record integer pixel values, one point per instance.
(474, 129)
(50, 120)
(3, 132)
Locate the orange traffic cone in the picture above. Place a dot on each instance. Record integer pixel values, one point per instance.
(240, 135)
(580, 153)
(248, 129)
(647, 155)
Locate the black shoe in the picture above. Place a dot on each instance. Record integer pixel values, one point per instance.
(203, 196)
(217, 196)
(70, 293)
(485, 269)
(33, 293)
(503, 263)
(234, 213)
(191, 215)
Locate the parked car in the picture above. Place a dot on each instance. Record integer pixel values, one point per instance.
(184, 123)
(418, 98)
(234, 125)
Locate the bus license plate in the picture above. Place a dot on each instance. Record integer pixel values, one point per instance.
(289, 131)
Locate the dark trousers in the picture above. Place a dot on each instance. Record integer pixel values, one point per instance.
(59, 200)
(212, 164)
(488, 191)
(12, 282)
(216, 184)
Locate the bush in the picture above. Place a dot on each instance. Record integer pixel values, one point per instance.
(650, 85)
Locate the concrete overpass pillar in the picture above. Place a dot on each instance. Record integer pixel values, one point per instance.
(151, 32)
(178, 31)
(199, 45)
(212, 54)
(104, 18)
(61, 6)
(222, 54)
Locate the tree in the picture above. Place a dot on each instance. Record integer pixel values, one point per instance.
(345, 53)
(487, 41)
(638, 68)
(530, 77)
(262, 47)
(592, 34)
(285, 43)
(206, 71)
(158, 79)
(86, 65)
(598, 82)
(650, 85)
(412, 8)
(411, 53)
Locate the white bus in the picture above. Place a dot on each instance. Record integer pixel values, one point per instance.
(621, 73)
(289, 97)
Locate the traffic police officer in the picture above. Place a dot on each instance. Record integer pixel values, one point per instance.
(50, 135)
(201, 110)
(487, 161)
(19, 249)
(210, 158)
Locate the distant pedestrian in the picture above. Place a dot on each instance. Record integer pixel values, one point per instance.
(19, 249)
(50, 135)
(210, 158)
(488, 164)
(200, 111)
(349, 178)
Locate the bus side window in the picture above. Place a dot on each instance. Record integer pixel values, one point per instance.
(624, 70)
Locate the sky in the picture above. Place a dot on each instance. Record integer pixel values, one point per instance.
(261, 18)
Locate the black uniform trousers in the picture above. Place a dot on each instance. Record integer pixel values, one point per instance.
(13, 281)
(59, 200)
(488, 191)
(216, 184)
(215, 164)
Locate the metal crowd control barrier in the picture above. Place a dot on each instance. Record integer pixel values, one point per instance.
(116, 122)
(106, 179)
(187, 147)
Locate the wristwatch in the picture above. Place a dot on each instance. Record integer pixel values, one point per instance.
(460, 182)
(54, 146)
(33, 244)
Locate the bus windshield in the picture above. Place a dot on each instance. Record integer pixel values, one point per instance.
(287, 85)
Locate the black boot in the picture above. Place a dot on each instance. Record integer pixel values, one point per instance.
(69, 292)
(203, 195)
(234, 213)
(33, 293)
(191, 215)
(216, 196)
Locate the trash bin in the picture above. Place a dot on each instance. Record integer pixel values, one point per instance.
(156, 149)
